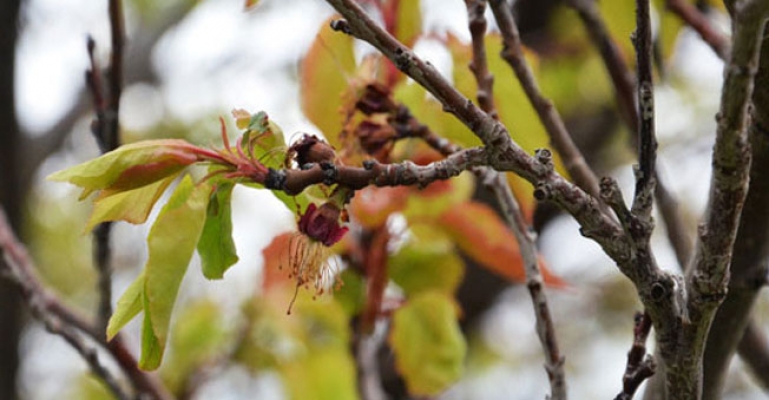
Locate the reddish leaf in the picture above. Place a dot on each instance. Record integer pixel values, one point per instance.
(482, 235)
(276, 257)
(373, 205)
(131, 166)
(324, 78)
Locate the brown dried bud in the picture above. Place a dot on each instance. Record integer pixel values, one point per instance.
(376, 98)
(375, 138)
(310, 149)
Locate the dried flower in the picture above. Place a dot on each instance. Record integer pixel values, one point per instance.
(310, 149)
(376, 98)
(309, 250)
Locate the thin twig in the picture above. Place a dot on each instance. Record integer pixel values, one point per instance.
(479, 66)
(699, 22)
(544, 321)
(623, 84)
(754, 350)
(65, 321)
(615, 64)
(640, 365)
(512, 52)
(647, 140)
(17, 260)
(497, 183)
(105, 129)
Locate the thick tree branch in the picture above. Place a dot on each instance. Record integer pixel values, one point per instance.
(708, 277)
(749, 265)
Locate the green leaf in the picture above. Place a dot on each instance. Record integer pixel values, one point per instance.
(128, 306)
(424, 265)
(439, 196)
(264, 140)
(431, 113)
(171, 242)
(428, 344)
(216, 247)
(409, 21)
(324, 76)
(130, 166)
(352, 295)
(132, 206)
(198, 337)
(326, 374)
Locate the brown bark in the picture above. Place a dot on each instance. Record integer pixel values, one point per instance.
(11, 195)
(749, 266)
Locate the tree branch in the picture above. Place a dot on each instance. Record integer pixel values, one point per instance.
(754, 349)
(709, 275)
(512, 52)
(623, 84)
(479, 66)
(545, 328)
(502, 152)
(647, 141)
(749, 265)
(640, 365)
(63, 321)
(106, 130)
(699, 22)
(615, 64)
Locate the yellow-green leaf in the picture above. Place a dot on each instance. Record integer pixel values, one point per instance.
(409, 21)
(324, 78)
(130, 166)
(128, 306)
(132, 206)
(431, 113)
(199, 336)
(216, 247)
(428, 344)
(352, 295)
(439, 196)
(327, 373)
(171, 242)
(264, 140)
(425, 265)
